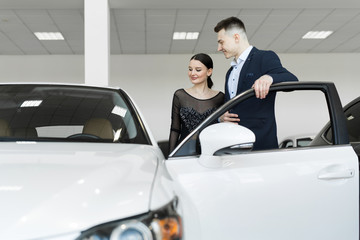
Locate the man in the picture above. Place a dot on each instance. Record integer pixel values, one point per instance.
(251, 68)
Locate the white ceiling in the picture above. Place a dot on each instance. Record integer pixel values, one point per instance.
(146, 26)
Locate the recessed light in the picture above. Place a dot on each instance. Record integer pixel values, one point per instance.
(317, 34)
(192, 35)
(31, 103)
(185, 35)
(119, 111)
(49, 35)
(179, 35)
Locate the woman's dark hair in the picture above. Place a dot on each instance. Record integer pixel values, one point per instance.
(207, 61)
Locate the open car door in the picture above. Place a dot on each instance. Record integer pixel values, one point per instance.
(228, 191)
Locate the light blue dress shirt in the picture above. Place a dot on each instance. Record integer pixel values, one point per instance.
(237, 65)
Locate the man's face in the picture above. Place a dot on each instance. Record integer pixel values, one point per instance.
(226, 44)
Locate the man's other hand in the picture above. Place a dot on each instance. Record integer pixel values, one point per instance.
(229, 117)
(262, 85)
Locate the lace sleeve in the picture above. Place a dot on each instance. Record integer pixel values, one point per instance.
(175, 123)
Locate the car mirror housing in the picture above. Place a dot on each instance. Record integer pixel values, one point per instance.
(215, 140)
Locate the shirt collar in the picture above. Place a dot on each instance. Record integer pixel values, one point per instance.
(242, 57)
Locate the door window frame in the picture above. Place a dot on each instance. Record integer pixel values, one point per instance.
(190, 146)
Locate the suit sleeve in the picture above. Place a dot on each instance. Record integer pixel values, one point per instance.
(272, 66)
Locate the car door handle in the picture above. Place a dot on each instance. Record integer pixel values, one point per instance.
(340, 174)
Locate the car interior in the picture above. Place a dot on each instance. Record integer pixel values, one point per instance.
(53, 113)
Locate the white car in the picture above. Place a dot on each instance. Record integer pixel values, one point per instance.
(79, 162)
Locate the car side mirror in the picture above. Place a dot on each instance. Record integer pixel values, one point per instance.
(221, 139)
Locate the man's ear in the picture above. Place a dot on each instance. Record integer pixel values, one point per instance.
(237, 37)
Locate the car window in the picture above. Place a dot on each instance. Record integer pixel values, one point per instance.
(353, 122)
(68, 113)
(61, 131)
(299, 113)
(303, 142)
(289, 144)
(352, 114)
(296, 112)
(286, 143)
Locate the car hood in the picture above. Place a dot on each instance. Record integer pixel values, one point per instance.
(52, 188)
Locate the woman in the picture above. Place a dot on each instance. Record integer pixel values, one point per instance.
(191, 106)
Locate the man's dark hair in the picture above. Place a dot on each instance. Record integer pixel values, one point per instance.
(229, 23)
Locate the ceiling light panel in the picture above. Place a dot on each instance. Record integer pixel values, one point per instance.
(179, 35)
(49, 36)
(31, 103)
(185, 35)
(317, 34)
(192, 35)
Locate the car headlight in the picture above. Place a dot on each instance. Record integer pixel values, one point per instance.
(162, 224)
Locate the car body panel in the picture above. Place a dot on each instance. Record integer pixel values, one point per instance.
(256, 195)
(96, 181)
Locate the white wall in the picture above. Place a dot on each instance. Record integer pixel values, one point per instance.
(152, 79)
(29, 68)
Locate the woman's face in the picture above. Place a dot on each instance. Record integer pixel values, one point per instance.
(198, 72)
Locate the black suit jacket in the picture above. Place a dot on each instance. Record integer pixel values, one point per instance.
(258, 114)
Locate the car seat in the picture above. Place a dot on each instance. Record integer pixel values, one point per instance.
(5, 130)
(100, 127)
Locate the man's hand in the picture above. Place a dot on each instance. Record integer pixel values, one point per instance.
(262, 86)
(229, 117)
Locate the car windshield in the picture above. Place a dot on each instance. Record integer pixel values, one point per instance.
(68, 113)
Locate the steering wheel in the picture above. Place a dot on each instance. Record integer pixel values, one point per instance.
(83, 136)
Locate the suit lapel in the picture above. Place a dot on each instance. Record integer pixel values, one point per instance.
(227, 94)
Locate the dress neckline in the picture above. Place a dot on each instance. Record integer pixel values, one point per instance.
(199, 98)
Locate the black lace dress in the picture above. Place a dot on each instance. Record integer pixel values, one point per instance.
(188, 112)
